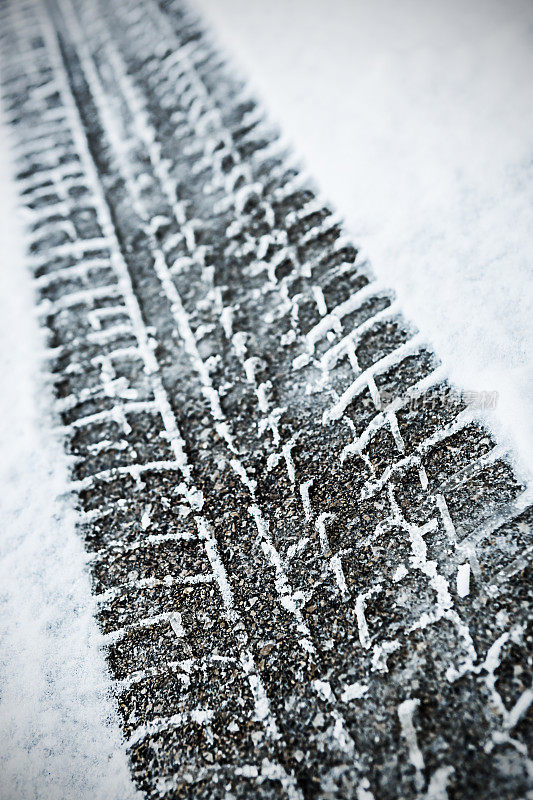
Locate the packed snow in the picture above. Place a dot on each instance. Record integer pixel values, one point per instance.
(59, 736)
(416, 120)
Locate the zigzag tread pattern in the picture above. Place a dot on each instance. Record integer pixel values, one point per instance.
(311, 560)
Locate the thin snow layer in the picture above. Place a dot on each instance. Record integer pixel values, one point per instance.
(416, 119)
(59, 737)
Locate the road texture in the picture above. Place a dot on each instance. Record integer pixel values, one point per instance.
(311, 562)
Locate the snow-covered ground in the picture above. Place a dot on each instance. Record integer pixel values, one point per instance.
(58, 734)
(416, 118)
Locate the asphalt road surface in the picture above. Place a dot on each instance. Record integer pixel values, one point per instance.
(311, 562)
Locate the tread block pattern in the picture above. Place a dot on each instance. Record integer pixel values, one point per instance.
(311, 561)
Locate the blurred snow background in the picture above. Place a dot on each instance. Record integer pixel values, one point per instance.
(416, 117)
(59, 735)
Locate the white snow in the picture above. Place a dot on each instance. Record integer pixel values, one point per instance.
(406, 711)
(354, 692)
(416, 119)
(59, 736)
(463, 579)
